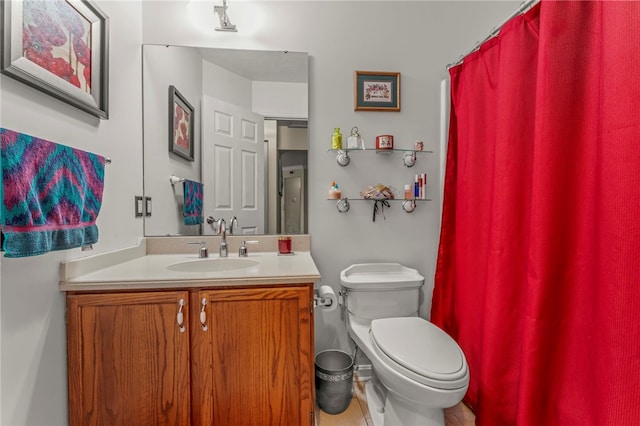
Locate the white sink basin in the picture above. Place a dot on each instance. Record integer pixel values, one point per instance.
(212, 265)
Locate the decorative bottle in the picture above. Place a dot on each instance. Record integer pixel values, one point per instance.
(336, 139)
(332, 191)
(408, 193)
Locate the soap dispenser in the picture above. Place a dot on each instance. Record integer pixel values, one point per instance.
(355, 141)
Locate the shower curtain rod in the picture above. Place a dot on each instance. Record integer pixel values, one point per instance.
(526, 5)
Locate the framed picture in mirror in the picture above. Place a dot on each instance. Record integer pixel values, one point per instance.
(181, 125)
(60, 48)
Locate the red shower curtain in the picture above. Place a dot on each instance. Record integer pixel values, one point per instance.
(538, 271)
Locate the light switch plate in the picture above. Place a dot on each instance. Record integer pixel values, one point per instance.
(147, 206)
(139, 206)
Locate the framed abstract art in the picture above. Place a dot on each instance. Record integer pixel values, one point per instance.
(181, 125)
(59, 47)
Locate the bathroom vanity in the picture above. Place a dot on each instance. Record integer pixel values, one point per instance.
(154, 343)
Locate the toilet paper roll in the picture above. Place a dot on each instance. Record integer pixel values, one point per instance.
(326, 298)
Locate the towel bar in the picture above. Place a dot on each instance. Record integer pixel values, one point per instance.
(175, 179)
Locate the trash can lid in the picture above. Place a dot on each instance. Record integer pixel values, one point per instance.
(333, 360)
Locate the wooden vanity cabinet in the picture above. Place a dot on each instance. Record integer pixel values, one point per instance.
(253, 365)
(128, 359)
(245, 357)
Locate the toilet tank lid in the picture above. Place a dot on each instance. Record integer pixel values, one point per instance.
(380, 276)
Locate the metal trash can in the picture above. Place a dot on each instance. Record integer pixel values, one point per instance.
(334, 380)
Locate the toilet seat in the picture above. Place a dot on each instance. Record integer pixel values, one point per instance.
(421, 351)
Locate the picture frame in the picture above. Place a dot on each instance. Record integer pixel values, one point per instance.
(376, 91)
(60, 48)
(181, 125)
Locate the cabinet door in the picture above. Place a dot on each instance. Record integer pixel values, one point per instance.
(253, 365)
(128, 359)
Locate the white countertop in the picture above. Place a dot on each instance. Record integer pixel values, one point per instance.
(150, 272)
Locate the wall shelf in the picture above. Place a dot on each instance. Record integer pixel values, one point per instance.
(409, 156)
(380, 151)
(344, 204)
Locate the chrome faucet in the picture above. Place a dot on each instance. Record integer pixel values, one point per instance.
(242, 252)
(222, 230)
(203, 253)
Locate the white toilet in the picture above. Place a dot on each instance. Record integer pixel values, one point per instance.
(418, 370)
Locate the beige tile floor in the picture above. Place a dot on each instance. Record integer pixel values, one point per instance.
(357, 413)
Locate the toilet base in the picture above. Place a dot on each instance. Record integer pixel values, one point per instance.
(375, 403)
(397, 411)
(401, 412)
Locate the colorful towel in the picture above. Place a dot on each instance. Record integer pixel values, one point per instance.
(52, 195)
(192, 210)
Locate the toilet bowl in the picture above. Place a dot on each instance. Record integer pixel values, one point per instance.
(421, 369)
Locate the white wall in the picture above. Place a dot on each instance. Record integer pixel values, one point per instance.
(226, 86)
(271, 135)
(292, 138)
(32, 311)
(163, 67)
(417, 39)
(281, 100)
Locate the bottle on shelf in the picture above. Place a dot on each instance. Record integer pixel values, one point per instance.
(355, 141)
(408, 193)
(334, 192)
(423, 192)
(336, 139)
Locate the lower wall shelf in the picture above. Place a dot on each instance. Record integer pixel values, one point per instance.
(344, 204)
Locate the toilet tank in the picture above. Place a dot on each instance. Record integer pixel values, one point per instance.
(381, 290)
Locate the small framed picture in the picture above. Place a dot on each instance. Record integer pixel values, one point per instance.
(181, 125)
(376, 91)
(59, 47)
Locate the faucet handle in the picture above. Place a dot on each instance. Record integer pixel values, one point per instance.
(203, 253)
(242, 252)
(233, 222)
(221, 227)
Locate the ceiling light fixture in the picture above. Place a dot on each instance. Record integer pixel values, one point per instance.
(225, 22)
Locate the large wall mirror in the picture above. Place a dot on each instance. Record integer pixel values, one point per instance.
(250, 140)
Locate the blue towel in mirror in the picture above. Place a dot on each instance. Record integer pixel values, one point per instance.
(192, 202)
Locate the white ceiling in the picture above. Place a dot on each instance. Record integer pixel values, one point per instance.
(261, 65)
